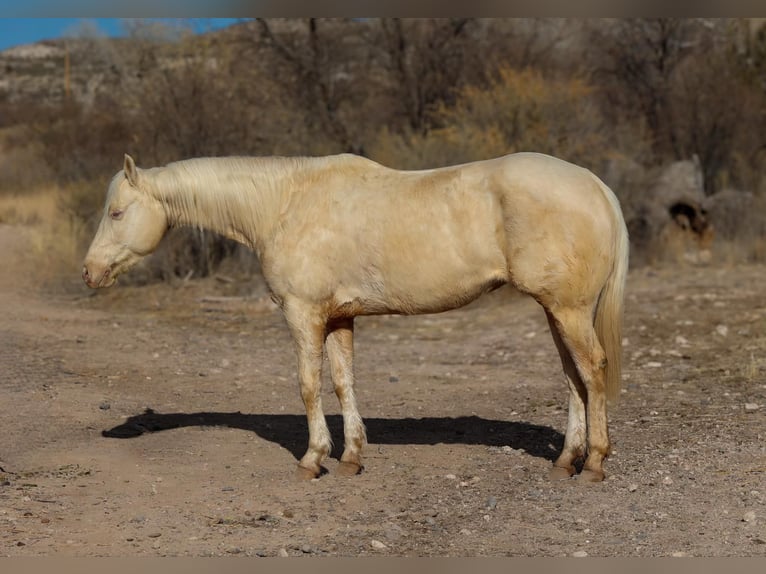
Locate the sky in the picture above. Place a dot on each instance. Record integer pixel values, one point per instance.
(17, 31)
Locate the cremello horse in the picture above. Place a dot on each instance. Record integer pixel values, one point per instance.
(343, 236)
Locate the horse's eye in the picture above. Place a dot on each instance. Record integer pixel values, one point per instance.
(116, 214)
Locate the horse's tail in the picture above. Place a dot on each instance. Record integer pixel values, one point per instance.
(609, 310)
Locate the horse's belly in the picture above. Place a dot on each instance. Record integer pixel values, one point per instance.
(419, 292)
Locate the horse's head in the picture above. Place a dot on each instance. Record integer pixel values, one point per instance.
(131, 227)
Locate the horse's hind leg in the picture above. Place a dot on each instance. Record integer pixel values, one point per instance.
(340, 351)
(576, 434)
(575, 327)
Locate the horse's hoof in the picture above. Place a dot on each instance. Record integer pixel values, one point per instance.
(592, 475)
(348, 469)
(560, 473)
(302, 473)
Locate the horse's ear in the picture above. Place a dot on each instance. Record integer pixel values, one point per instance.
(131, 171)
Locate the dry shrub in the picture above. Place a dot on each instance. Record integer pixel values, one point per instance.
(740, 227)
(21, 167)
(30, 208)
(54, 238)
(521, 110)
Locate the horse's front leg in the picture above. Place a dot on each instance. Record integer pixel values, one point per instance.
(308, 329)
(340, 351)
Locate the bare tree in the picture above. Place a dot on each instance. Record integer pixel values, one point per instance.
(426, 62)
(317, 62)
(635, 60)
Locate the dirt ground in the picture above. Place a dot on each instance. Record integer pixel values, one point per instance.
(166, 420)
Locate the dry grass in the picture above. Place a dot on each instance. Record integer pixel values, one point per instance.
(741, 250)
(29, 209)
(752, 369)
(55, 238)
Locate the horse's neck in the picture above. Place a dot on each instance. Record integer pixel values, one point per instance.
(238, 198)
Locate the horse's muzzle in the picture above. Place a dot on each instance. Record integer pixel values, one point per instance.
(95, 282)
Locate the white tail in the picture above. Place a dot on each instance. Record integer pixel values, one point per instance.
(609, 311)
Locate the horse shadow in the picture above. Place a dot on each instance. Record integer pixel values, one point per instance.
(291, 430)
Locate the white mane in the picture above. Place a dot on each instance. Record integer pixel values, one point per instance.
(236, 196)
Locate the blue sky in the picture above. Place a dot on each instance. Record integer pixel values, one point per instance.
(16, 31)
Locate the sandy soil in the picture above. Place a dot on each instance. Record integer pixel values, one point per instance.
(166, 420)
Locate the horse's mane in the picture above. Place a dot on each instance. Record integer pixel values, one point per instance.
(236, 192)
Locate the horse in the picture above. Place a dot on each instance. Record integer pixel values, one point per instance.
(343, 236)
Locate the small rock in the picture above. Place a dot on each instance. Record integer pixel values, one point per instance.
(749, 516)
(282, 553)
(393, 532)
(377, 544)
(306, 549)
(579, 554)
(653, 365)
(227, 489)
(632, 487)
(491, 502)
(507, 449)
(154, 535)
(682, 341)
(722, 330)
(667, 480)
(450, 477)
(393, 379)
(105, 406)
(678, 554)
(465, 532)
(750, 407)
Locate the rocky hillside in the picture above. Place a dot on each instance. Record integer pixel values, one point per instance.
(38, 72)
(46, 71)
